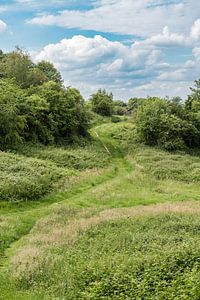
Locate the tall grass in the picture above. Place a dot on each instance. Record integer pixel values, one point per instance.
(124, 232)
(23, 178)
(154, 256)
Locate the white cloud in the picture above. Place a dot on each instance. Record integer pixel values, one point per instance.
(3, 8)
(3, 26)
(139, 69)
(142, 18)
(195, 30)
(196, 53)
(92, 63)
(165, 39)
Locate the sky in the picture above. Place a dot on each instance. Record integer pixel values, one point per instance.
(134, 48)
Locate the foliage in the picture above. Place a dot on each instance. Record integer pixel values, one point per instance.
(50, 71)
(166, 124)
(23, 178)
(106, 245)
(12, 122)
(18, 65)
(115, 119)
(68, 115)
(134, 104)
(102, 103)
(78, 157)
(120, 108)
(34, 104)
(144, 257)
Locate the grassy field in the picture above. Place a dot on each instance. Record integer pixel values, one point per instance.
(108, 220)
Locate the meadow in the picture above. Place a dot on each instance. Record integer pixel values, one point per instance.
(107, 219)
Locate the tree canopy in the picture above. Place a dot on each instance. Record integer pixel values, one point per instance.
(34, 104)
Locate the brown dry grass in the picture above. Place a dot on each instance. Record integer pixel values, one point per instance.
(40, 240)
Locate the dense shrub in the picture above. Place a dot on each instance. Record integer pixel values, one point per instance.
(166, 124)
(102, 103)
(12, 121)
(23, 178)
(35, 106)
(115, 119)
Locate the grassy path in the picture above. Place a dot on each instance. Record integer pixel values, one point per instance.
(14, 225)
(122, 191)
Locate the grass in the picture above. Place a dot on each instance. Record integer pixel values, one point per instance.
(35, 171)
(142, 253)
(125, 228)
(23, 178)
(88, 156)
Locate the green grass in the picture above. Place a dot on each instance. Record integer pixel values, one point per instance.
(35, 171)
(87, 156)
(112, 255)
(23, 178)
(120, 221)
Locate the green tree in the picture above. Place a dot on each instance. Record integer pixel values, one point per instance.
(12, 121)
(193, 101)
(134, 103)
(120, 108)
(18, 65)
(67, 111)
(102, 103)
(51, 73)
(162, 123)
(38, 119)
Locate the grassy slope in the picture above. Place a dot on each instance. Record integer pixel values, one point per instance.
(84, 244)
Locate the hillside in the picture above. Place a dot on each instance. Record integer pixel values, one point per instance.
(110, 219)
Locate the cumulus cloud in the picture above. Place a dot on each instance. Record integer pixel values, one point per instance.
(195, 30)
(92, 63)
(165, 39)
(3, 26)
(156, 26)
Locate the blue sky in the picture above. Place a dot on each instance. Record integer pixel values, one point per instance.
(130, 47)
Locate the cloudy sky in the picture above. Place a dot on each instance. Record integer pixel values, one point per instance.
(130, 47)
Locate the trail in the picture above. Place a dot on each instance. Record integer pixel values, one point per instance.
(28, 219)
(120, 166)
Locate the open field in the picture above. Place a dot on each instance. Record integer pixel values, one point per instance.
(105, 221)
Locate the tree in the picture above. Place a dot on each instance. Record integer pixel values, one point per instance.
(38, 119)
(134, 103)
(12, 121)
(193, 101)
(69, 118)
(102, 103)
(120, 108)
(51, 73)
(18, 65)
(160, 123)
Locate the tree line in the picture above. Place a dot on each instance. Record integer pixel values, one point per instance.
(35, 106)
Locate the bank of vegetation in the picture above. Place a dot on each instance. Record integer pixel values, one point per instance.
(99, 199)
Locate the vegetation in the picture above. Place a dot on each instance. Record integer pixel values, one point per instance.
(35, 106)
(168, 124)
(102, 103)
(95, 200)
(123, 249)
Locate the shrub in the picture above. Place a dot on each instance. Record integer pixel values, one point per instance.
(115, 119)
(166, 124)
(23, 178)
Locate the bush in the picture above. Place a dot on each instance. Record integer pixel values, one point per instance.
(77, 157)
(166, 124)
(102, 103)
(12, 121)
(23, 178)
(115, 119)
